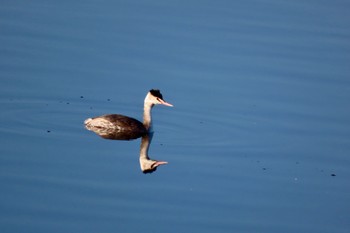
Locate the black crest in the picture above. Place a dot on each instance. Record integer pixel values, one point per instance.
(156, 93)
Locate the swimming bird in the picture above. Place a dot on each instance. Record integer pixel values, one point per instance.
(128, 125)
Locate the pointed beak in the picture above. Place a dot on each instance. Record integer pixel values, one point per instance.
(166, 103)
(159, 163)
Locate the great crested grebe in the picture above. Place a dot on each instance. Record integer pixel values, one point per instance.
(126, 124)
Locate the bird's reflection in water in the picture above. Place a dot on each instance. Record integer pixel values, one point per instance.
(147, 164)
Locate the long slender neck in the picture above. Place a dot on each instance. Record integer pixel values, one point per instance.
(146, 163)
(145, 143)
(144, 159)
(147, 116)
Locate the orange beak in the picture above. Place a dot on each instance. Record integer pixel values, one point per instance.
(165, 103)
(157, 163)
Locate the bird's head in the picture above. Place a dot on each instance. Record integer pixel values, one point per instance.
(154, 97)
(149, 165)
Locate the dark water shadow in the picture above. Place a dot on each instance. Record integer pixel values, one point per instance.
(147, 164)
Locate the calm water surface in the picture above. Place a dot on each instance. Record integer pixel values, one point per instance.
(258, 140)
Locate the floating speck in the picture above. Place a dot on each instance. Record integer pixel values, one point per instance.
(333, 174)
(81, 97)
(49, 131)
(108, 99)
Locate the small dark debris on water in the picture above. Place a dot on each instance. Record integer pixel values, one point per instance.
(67, 103)
(49, 131)
(108, 99)
(333, 174)
(81, 97)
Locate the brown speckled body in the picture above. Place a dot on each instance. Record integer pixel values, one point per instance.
(115, 126)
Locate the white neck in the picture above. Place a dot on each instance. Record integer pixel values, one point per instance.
(145, 162)
(145, 142)
(147, 116)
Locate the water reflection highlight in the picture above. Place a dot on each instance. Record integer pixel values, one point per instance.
(147, 164)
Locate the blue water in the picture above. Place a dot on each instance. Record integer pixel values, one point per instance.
(258, 139)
